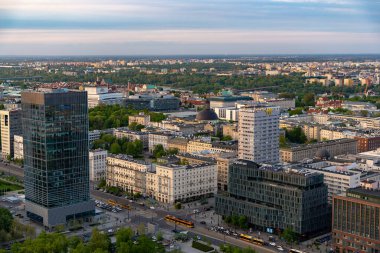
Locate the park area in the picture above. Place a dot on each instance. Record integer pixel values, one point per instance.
(6, 187)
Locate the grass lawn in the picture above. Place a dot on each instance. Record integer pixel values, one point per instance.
(6, 187)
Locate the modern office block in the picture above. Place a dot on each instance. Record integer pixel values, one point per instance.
(273, 198)
(55, 131)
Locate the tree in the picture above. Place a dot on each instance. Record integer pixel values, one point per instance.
(99, 241)
(296, 135)
(172, 151)
(296, 111)
(159, 236)
(178, 205)
(102, 183)
(159, 151)
(6, 220)
(364, 113)
(283, 143)
(2, 107)
(289, 235)
(115, 148)
(123, 235)
(226, 138)
(135, 127)
(243, 221)
(309, 99)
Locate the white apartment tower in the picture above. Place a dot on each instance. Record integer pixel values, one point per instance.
(259, 133)
(10, 126)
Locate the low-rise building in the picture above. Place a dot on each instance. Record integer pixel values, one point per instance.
(127, 173)
(178, 143)
(159, 138)
(173, 183)
(132, 135)
(97, 164)
(333, 148)
(141, 118)
(101, 95)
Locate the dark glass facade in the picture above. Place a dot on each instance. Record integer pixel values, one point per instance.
(55, 131)
(274, 199)
(356, 221)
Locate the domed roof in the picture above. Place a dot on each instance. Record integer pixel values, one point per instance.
(322, 154)
(207, 114)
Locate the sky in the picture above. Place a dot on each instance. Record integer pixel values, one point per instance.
(171, 27)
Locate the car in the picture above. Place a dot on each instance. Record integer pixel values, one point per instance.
(272, 244)
(195, 211)
(203, 222)
(110, 230)
(152, 207)
(279, 248)
(198, 237)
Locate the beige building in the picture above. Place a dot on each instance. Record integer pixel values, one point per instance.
(231, 130)
(97, 164)
(132, 135)
(333, 147)
(18, 147)
(127, 173)
(158, 139)
(10, 126)
(141, 119)
(178, 143)
(182, 183)
(259, 133)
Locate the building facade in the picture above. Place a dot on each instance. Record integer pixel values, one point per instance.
(127, 173)
(10, 126)
(274, 199)
(132, 135)
(97, 164)
(259, 134)
(158, 139)
(55, 131)
(333, 147)
(173, 183)
(18, 147)
(356, 221)
(141, 119)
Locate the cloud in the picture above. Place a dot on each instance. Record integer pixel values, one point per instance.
(339, 2)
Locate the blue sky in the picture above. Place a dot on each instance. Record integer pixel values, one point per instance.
(135, 27)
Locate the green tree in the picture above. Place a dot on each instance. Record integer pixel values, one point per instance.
(309, 99)
(123, 235)
(289, 235)
(135, 127)
(6, 220)
(296, 135)
(283, 142)
(243, 221)
(99, 241)
(159, 151)
(115, 148)
(364, 113)
(178, 205)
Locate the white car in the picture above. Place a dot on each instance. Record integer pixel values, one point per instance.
(152, 207)
(279, 248)
(272, 244)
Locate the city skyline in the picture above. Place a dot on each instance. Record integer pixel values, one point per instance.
(193, 27)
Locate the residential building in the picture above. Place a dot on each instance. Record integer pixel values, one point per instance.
(178, 143)
(127, 173)
(141, 118)
(338, 177)
(259, 133)
(97, 164)
(18, 145)
(173, 183)
(158, 138)
(123, 132)
(55, 132)
(10, 126)
(333, 148)
(274, 198)
(356, 222)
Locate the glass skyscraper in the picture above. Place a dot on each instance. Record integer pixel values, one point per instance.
(55, 131)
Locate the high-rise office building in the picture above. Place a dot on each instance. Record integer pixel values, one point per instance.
(10, 126)
(55, 131)
(274, 198)
(259, 133)
(356, 221)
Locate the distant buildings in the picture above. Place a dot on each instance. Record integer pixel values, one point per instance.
(98, 95)
(259, 134)
(274, 199)
(55, 131)
(356, 222)
(153, 102)
(10, 126)
(97, 164)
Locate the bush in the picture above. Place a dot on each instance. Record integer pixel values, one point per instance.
(178, 205)
(202, 247)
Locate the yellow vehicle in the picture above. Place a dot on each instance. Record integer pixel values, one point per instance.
(176, 220)
(251, 239)
(112, 202)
